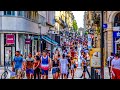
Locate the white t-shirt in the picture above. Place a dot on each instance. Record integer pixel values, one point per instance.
(109, 58)
(116, 63)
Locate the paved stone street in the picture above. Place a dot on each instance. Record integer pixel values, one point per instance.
(78, 73)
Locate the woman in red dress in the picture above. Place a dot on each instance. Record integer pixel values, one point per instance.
(115, 68)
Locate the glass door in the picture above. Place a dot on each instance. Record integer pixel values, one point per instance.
(9, 54)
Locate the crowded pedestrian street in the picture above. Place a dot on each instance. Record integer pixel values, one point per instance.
(60, 45)
(77, 73)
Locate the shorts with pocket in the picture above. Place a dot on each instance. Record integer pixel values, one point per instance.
(55, 70)
(18, 71)
(44, 72)
(29, 71)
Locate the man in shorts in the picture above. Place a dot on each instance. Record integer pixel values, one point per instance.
(29, 66)
(45, 64)
(18, 64)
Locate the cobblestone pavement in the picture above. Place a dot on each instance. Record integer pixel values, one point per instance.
(78, 73)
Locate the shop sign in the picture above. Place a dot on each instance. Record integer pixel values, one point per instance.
(105, 26)
(27, 41)
(10, 39)
(116, 34)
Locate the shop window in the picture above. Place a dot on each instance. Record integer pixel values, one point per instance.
(10, 13)
(20, 13)
(117, 20)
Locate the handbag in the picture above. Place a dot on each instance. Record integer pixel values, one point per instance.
(74, 65)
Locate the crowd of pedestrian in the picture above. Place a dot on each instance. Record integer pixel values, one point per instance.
(38, 66)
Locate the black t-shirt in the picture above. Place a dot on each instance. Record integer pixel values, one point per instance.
(38, 57)
(55, 63)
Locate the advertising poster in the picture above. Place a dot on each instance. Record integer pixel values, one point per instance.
(95, 57)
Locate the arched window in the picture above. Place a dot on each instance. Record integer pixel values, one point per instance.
(117, 20)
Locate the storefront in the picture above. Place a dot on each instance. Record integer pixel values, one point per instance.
(9, 47)
(116, 41)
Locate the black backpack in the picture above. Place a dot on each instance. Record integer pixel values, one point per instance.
(111, 58)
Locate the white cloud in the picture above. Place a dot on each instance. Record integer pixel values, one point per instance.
(79, 16)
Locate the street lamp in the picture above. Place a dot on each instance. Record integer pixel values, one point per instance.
(39, 25)
(50, 32)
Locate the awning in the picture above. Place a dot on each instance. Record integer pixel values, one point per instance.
(49, 40)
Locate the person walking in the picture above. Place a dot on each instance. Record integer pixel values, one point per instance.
(85, 69)
(72, 67)
(109, 60)
(18, 64)
(45, 65)
(29, 66)
(64, 67)
(55, 67)
(36, 67)
(115, 67)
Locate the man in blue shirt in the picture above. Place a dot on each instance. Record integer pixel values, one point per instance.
(18, 64)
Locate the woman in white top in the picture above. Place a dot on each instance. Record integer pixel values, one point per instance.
(115, 70)
(64, 67)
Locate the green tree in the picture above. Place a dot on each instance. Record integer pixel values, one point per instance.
(75, 27)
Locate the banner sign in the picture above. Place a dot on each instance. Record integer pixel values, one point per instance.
(27, 41)
(89, 41)
(10, 39)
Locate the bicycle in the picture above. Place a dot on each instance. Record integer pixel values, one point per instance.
(7, 70)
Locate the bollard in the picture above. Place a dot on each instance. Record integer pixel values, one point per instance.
(92, 73)
(96, 73)
(99, 74)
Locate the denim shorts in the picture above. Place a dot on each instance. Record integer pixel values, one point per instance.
(55, 70)
(29, 71)
(44, 72)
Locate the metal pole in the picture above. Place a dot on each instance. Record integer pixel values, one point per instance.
(102, 45)
(40, 40)
(51, 44)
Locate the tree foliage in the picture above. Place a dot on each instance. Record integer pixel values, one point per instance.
(75, 27)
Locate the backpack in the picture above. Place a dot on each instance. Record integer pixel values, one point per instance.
(111, 58)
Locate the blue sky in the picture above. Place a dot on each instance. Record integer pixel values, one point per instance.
(79, 16)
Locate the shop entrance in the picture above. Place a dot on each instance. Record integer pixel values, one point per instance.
(9, 54)
(9, 48)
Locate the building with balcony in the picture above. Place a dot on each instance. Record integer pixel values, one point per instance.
(64, 23)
